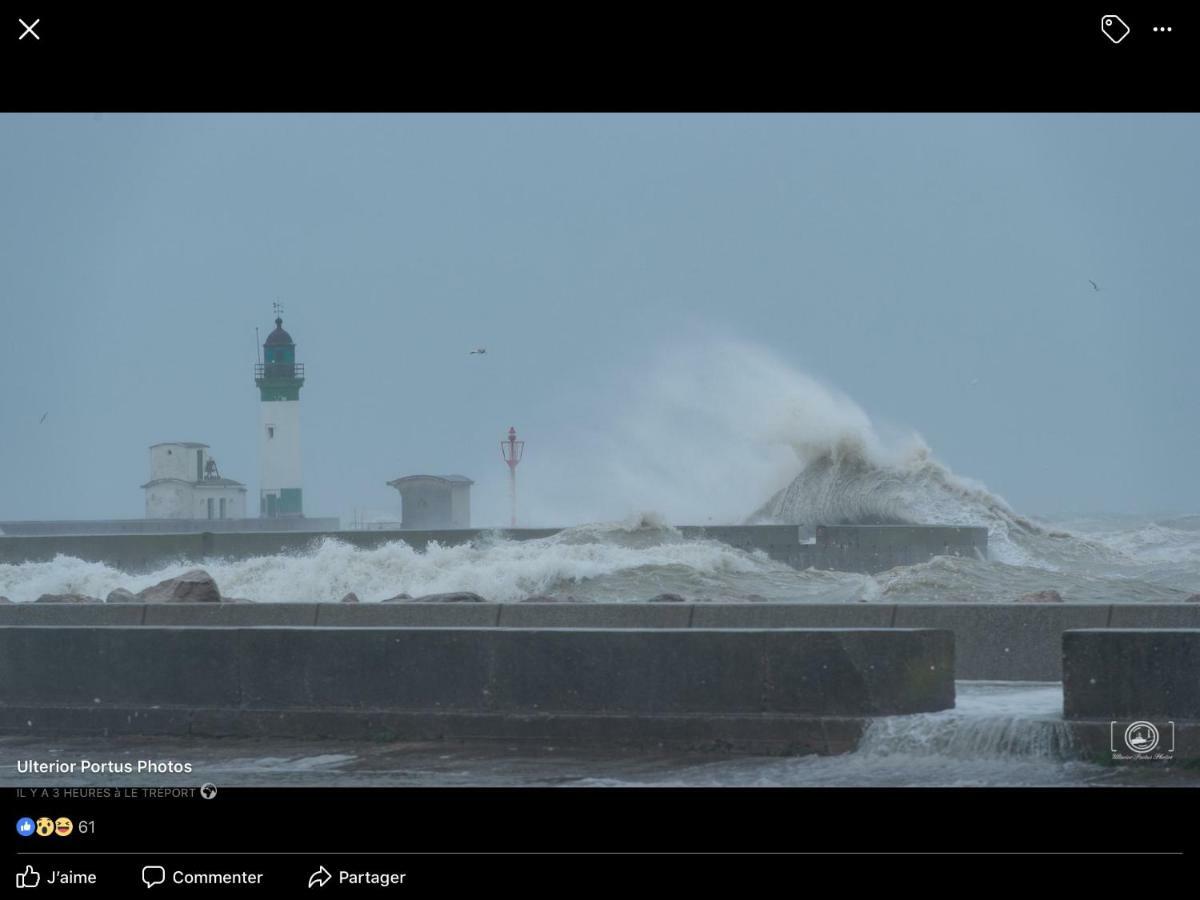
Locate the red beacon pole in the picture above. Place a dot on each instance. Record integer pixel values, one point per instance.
(512, 450)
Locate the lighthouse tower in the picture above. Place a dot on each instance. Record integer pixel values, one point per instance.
(279, 379)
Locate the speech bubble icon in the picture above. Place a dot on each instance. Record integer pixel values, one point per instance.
(153, 875)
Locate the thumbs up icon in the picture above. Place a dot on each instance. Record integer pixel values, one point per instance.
(29, 878)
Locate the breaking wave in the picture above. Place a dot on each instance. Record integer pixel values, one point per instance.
(613, 562)
(847, 484)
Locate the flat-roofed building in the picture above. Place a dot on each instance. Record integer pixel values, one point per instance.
(434, 501)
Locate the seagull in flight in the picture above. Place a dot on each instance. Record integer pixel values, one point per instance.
(480, 350)
(43, 418)
(1093, 284)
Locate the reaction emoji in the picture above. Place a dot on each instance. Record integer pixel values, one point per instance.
(45, 827)
(63, 826)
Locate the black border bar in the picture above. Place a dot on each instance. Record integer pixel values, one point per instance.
(843, 57)
(621, 821)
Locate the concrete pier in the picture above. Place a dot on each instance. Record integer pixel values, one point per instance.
(1132, 673)
(998, 642)
(777, 690)
(850, 548)
(1122, 684)
(80, 527)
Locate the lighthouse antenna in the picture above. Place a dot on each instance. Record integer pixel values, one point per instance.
(257, 346)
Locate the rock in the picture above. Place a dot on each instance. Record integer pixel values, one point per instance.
(399, 598)
(1195, 598)
(195, 586)
(5, 600)
(1041, 597)
(755, 598)
(548, 598)
(120, 595)
(456, 597)
(66, 598)
(349, 598)
(666, 598)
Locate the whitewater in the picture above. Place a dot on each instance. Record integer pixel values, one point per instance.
(1099, 561)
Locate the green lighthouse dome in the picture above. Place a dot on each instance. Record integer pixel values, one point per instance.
(278, 336)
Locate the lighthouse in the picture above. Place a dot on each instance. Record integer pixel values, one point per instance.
(279, 379)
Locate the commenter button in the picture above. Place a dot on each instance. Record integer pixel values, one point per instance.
(153, 875)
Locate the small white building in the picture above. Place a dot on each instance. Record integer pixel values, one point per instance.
(185, 484)
(434, 501)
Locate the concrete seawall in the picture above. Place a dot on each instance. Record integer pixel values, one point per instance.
(1009, 642)
(845, 548)
(1123, 684)
(775, 690)
(877, 548)
(1132, 674)
(33, 528)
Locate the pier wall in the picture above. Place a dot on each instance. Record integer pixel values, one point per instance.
(80, 527)
(789, 690)
(1122, 683)
(1002, 642)
(865, 548)
(1130, 674)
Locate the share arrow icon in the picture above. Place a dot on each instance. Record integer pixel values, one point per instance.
(319, 878)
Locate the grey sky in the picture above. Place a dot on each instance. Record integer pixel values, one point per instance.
(933, 268)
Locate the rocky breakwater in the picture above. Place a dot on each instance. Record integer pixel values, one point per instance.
(193, 586)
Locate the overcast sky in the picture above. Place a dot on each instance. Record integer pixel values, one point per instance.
(933, 268)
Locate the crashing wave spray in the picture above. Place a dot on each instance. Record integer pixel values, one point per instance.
(723, 422)
(616, 562)
(849, 484)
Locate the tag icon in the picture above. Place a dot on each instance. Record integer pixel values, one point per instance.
(1114, 28)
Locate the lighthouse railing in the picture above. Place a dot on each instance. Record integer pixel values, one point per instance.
(278, 370)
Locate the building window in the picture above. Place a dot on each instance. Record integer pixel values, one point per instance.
(210, 507)
(222, 507)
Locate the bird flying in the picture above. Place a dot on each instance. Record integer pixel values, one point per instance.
(43, 418)
(479, 350)
(1093, 284)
